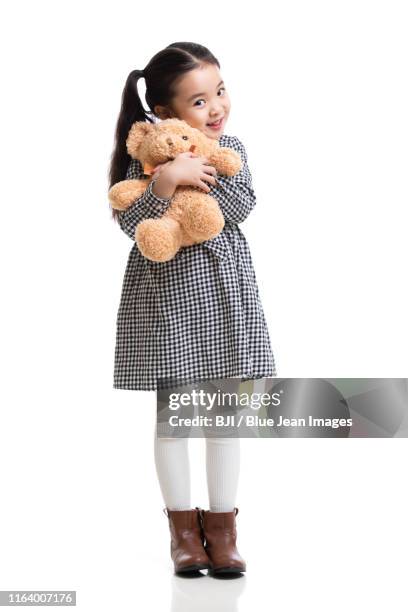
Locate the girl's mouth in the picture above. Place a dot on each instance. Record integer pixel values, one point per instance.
(217, 125)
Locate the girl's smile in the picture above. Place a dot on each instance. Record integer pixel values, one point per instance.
(216, 125)
(201, 100)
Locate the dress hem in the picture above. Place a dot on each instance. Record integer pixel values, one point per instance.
(244, 378)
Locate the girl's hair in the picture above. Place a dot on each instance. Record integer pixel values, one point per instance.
(160, 76)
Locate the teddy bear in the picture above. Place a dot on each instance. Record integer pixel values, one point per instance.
(192, 216)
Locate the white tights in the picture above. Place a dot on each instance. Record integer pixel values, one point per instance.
(173, 471)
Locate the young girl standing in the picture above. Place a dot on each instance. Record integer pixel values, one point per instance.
(198, 316)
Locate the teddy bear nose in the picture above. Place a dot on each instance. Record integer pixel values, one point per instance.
(169, 141)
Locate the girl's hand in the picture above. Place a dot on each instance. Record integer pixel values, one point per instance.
(159, 168)
(190, 169)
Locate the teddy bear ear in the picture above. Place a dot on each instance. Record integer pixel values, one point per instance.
(137, 133)
(184, 124)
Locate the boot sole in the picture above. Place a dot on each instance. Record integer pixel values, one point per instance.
(192, 568)
(226, 570)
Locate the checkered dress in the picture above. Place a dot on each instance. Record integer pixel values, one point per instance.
(198, 316)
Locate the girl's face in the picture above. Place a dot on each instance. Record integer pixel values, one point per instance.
(201, 99)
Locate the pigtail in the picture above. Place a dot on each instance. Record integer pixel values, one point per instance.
(131, 110)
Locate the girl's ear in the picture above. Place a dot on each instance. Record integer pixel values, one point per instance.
(163, 112)
(137, 133)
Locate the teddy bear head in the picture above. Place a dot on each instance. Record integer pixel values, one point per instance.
(157, 143)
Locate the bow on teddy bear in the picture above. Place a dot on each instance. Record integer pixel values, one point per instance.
(192, 216)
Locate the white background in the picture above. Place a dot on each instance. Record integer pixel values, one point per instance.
(319, 98)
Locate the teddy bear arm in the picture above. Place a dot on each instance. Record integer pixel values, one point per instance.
(123, 194)
(226, 161)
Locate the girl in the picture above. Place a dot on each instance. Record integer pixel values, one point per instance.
(198, 316)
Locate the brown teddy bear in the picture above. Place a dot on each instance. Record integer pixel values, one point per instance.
(192, 216)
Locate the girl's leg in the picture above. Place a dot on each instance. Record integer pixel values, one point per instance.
(223, 465)
(173, 471)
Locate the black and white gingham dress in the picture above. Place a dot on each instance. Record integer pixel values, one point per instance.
(198, 316)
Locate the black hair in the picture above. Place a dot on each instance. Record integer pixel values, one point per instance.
(160, 76)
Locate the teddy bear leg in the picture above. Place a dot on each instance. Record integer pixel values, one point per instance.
(159, 239)
(202, 218)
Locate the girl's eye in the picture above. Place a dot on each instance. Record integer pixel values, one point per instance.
(185, 137)
(202, 99)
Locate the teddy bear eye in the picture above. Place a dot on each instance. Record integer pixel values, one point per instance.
(185, 137)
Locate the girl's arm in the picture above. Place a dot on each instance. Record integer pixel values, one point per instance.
(235, 194)
(147, 206)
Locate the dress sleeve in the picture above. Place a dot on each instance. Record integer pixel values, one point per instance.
(147, 206)
(235, 194)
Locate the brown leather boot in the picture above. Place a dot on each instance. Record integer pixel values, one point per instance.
(186, 547)
(220, 535)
